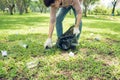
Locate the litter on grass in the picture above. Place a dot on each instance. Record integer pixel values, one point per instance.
(4, 53)
(91, 34)
(71, 54)
(97, 38)
(25, 45)
(32, 64)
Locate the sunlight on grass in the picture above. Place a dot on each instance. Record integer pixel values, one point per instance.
(99, 31)
(25, 31)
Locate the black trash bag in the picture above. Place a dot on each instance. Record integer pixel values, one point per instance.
(68, 40)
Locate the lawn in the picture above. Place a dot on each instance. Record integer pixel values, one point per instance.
(96, 58)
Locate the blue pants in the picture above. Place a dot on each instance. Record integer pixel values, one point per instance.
(60, 17)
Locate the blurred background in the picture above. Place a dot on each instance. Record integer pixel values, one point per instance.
(90, 7)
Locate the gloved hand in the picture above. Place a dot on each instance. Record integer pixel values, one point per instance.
(76, 31)
(48, 43)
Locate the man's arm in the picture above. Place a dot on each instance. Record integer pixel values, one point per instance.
(48, 43)
(78, 11)
(51, 29)
(79, 16)
(52, 21)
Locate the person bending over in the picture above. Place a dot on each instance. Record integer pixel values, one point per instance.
(57, 17)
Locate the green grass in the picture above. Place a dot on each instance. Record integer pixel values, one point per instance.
(93, 60)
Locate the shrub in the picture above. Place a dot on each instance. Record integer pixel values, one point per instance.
(101, 10)
(118, 12)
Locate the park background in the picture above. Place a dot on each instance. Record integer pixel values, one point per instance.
(24, 29)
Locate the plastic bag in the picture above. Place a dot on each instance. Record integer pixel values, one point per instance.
(68, 40)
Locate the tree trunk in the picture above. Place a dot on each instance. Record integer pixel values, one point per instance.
(20, 6)
(45, 10)
(11, 11)
(26, 5)
(21, 11)
(41, 10)
(113, 10)
(11, 8)
(26, 10)
(85, 12)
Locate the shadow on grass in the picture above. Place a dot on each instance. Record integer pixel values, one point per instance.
(21, 22)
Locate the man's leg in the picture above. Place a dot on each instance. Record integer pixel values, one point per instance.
(80, 26)
(59, 18)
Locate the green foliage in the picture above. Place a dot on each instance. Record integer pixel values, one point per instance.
(118, 12)
(100, 10)
(22, 6)
(2, 4)
(86, 4)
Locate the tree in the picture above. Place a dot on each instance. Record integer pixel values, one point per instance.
(2, 5)
(26, 5)
(23, 5)
(20, 6)
(11, 5)
(41, 6)
(114, 3)
(86, 4)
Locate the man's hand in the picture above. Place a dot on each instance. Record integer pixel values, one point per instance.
(48, 43)
(76, 31)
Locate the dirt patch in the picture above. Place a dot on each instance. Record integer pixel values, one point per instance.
(110, 41)
(93, 78)
(3, 79)
(84, 50)
(67, 74)
(108, 60)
